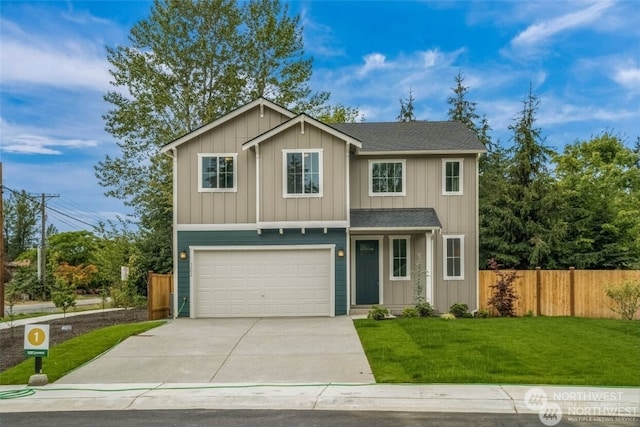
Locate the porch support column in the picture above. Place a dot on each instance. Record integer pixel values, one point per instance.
(429, 266)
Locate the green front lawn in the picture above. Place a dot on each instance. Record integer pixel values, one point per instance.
(529, 350)
(71, 354)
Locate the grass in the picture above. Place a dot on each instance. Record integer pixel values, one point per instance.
(528, 350)
(69, 355)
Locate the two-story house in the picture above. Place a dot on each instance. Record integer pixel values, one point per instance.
(279, 214)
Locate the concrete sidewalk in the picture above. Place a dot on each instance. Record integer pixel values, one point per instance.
(46, 318)
(511, 399)
(49, 306)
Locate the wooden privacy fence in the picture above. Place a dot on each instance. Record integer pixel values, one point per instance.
(160, 288)
(561, 292)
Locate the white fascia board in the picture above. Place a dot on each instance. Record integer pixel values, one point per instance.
(216, 227)
(302, 224)
(415, 152)
(233, 114)
(262, 247)
(263, 225)
(391, 229)
(301, 119)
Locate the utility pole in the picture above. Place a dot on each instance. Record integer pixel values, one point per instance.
(42, 266)
(2, 263)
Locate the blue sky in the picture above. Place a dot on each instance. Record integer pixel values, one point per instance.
(582, 58)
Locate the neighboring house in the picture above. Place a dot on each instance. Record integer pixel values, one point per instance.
(279, 214)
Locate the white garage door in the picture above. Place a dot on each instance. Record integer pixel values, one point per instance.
(261, 283)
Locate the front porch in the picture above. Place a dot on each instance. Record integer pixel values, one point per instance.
(391, 250)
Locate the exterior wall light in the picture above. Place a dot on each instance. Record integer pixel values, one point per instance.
(183, 254)
(340, 253)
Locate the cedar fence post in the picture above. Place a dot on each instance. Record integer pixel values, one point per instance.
(538, 291)
(572, 291)
(150, 294)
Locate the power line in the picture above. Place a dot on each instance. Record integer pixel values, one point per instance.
(69, 216)
(58, 212)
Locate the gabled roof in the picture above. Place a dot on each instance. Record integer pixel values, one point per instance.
(301, 119)
(225, 118)
(448, 137)
(408, 219)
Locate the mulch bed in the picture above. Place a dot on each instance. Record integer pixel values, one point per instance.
(12, 340)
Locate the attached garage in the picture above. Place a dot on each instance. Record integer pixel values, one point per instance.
(263, 281)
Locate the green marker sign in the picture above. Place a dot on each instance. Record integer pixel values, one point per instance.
(36, 340)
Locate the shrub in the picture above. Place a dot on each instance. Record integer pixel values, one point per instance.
(424, 309)
(447, 316)
(377, 312)
(504, 296)
(459, 310)
(482, 313)
(64, 296)
(626, 298)
(410, 312)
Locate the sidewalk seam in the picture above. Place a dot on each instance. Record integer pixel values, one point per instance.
(513, 402)
(315, 402)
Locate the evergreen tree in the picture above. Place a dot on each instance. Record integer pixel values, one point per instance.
(406, 109)
(20, 223)
(521, 225)
(534, 228)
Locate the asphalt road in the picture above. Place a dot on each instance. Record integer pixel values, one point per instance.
(277, 418)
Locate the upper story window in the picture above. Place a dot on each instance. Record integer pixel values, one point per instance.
(387, 177)
(217, 172)
(452, 176)
(399, 258)
(453, 257)
(302, 173)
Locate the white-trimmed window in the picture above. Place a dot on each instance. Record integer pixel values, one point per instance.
(452, 177)
(217, 172)
(302, 173)
(399, 258)
(453, 257)
(387, 177)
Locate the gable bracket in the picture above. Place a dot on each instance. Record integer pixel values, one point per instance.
(302, 126)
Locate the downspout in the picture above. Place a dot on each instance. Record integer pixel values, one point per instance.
(347, 255)
(174, 156)
(477, 261)
(257, 147)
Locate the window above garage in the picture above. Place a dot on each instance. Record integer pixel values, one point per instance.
(302, 173)
(217, 172)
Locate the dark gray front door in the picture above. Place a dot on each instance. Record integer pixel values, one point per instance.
(367, 272)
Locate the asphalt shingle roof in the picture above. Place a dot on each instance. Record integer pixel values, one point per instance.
(412, 136)
(395, 218)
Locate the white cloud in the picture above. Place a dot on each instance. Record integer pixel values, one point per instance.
(29, 59)
(34, 65)
(540, 32)
(33, 139)
(35, 144)
(373, 61)
(628, 77)
(319, 38)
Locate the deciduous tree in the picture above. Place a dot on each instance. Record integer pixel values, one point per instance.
(599, 180)
(187, 64)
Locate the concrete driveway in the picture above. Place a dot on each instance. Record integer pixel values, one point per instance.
(255, 351)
